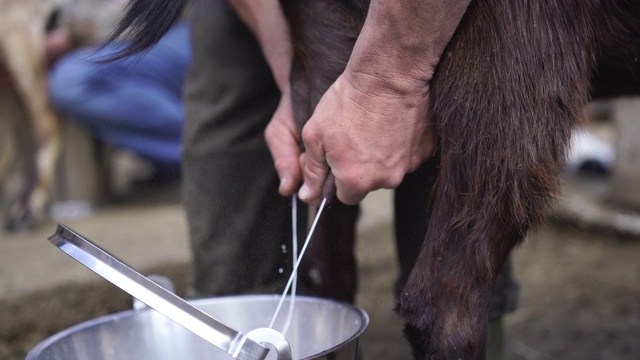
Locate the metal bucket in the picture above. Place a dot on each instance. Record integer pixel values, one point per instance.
(319, 329)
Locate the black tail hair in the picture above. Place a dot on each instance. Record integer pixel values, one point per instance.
(144, 24)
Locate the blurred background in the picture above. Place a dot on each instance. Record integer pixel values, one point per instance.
(579, 274)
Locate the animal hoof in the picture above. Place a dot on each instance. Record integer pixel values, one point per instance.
(20, 217)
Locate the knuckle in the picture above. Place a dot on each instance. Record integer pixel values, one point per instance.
(282, 165)
(388, 180)
(271, 136)
(356, 183)
(395, 178)
(269, 131)
(309, 135)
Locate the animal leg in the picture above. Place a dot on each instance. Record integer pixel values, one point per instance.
(508, 90)
(329, 269)
(8, 129)
(322, 45)
(25, 58)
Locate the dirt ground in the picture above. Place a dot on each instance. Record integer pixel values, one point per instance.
(579, 299)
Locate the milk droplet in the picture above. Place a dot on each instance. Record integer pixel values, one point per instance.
(281, 270)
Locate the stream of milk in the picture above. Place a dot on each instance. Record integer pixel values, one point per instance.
(296, 261)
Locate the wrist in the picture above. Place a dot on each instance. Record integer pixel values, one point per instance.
(390, 61)
(389, 85)
(405, 39)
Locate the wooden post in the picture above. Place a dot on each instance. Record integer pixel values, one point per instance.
(82, 180)
(625, 177)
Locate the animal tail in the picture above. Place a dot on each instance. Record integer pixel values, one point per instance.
(144, 24)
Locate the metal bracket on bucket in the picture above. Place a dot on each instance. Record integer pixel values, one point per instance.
(239, 346)
(272, 338)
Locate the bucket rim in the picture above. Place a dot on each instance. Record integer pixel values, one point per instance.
(363, 315)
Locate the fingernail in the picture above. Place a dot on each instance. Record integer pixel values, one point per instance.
(303, 193)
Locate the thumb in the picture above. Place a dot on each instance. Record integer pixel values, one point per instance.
(315, 173)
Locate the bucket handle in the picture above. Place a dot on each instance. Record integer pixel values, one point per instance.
(170, 305)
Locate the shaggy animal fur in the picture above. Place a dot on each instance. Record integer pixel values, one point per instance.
(510, 87)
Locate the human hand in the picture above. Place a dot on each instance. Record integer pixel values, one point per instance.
(369, 132)
(283, 140)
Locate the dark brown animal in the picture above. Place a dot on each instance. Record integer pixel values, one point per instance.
(510, 86)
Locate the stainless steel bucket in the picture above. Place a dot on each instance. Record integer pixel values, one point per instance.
(320, 329)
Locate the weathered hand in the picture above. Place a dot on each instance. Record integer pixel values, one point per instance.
(283, 141)
(369, 132)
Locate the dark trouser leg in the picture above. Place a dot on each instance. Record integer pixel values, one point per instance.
(237, 220)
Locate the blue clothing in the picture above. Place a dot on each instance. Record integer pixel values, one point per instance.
(133, 103)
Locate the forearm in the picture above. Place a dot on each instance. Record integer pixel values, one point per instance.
(267, 21)
(402, 40)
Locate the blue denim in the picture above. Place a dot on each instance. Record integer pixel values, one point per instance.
(133, 103)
